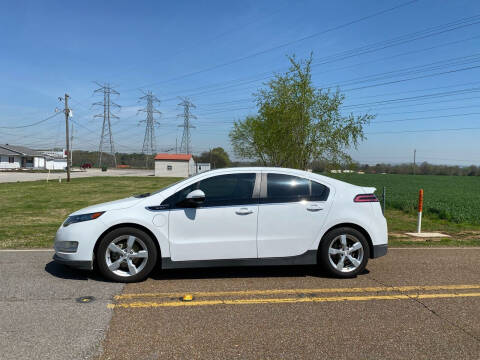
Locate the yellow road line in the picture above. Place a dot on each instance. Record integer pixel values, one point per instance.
(299, 291)
(140, 304)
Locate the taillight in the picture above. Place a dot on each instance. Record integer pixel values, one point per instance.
(365, 198)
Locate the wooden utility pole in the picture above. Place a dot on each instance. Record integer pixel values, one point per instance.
(67, 114)
(414, 159)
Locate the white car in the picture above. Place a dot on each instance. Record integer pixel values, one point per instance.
(229, 217)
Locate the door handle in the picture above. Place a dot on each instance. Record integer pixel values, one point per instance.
(314, 207)
(243, 211)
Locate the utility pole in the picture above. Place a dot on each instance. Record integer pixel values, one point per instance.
(66, 111)
(71, 146)
(414, 160)
(149, 140)
(187, 115)
(106, 135)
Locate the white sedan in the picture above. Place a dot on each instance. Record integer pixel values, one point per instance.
(229, 217)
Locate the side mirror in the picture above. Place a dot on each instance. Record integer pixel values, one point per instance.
(196, 197)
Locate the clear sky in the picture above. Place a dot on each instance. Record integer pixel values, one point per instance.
(416, 66)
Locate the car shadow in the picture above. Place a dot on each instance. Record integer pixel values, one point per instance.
(65, 272)
(243, 272)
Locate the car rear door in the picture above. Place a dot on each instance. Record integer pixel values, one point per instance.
(223, 227)
(291, 214)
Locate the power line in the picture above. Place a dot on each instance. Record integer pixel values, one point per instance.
(323, 32)
(423, 118)
(400, 40)
(421, 131)
(33, 124)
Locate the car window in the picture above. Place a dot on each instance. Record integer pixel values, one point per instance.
(230, 189)
(287, 188)
(319, 192)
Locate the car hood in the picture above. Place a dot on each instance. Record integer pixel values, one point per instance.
(111, 205)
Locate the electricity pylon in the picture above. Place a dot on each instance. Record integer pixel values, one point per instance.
(187, 116)
(149, 141)
(107, 136)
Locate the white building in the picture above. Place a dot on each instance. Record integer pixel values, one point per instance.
(174, 165)
(20, 157)
(202, 167)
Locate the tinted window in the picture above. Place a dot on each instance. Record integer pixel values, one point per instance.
(319, 192)
(231, 189)
(286, 188)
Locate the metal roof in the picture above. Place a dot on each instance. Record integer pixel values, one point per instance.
(184, 157)
(8, 149)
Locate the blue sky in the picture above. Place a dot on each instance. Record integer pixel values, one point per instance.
(219, 52)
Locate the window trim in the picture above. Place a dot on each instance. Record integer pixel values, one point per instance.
(263, 191)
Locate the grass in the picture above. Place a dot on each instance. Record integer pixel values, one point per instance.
(33, 211)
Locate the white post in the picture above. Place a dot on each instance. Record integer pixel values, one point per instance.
(420, 209)
(419, 222)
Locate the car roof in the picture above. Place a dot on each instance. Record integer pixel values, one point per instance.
(287, 171)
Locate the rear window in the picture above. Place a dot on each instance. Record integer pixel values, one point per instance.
(286, 188)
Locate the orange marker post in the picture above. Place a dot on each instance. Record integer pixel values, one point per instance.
(420, 208)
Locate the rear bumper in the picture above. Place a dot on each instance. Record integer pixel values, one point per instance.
(379, 250)
(77, 264)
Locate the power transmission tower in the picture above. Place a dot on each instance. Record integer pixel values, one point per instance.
(106, 136)
(149, 143)
(187, 116)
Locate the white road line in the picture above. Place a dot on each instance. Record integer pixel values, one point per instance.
(26, 250)
(390, 248)
(435, 248)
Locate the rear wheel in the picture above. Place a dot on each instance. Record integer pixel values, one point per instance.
(126, 255)
(344, 252)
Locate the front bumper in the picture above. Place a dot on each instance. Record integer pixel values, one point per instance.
(77, 264)
(379, 250)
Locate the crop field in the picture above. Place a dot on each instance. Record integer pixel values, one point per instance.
(452, 198)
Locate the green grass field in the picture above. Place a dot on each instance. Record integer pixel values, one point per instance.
(32, 211)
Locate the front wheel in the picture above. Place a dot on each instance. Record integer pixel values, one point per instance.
(126, 255)
(344, 252)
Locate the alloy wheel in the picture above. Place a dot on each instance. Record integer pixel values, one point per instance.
(126, 255)
(345, 253)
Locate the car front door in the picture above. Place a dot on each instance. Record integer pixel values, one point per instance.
(224, 226)
(291, 214)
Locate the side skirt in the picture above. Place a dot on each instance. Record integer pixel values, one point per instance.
(307, 258)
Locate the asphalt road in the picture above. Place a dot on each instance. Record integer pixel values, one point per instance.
(301, 313)
(413, 303)
(39, 315)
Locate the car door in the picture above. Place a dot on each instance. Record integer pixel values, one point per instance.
(224, 226)
(291, 214)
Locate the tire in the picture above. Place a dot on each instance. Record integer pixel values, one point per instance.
(332, 250)
(126, 255)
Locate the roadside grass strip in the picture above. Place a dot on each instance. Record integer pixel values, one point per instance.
(299, 296)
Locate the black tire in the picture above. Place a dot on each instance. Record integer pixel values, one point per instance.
(151, 259)
(323, 253)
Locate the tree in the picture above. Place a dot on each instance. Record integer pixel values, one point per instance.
(217, 157)
(297, 123)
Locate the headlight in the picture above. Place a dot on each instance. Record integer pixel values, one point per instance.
(84, 217)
